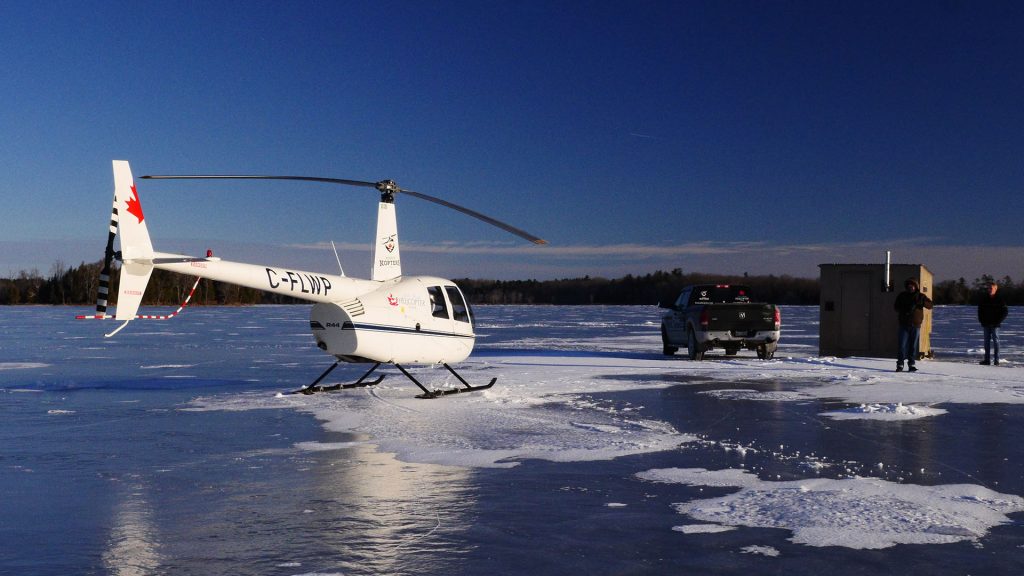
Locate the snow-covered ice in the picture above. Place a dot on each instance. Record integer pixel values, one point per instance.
(897, 411)
(822, 452)
(545, 407)
(855, 513)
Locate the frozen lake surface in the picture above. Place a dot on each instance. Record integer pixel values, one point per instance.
(167, 450)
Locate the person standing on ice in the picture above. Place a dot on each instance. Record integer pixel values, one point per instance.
(991, 313)
(910, 305)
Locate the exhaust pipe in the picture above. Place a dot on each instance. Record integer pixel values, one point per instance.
(888, 276)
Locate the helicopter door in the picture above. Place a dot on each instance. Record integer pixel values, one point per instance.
(460, 312)
(439, 309)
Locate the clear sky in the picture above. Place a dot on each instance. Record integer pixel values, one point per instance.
(760, 137)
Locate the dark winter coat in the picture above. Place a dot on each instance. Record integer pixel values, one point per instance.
(910, 307)
(991, 310)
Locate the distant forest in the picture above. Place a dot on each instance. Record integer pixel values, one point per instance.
(77, 286)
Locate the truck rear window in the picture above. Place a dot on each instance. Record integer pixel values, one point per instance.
(722, 294)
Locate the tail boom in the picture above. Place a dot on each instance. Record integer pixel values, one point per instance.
(300, 284)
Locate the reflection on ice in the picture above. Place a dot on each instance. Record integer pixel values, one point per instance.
(377, 513)
(132, 548)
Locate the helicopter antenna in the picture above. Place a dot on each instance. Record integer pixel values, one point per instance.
(337, 258)
(387, 188)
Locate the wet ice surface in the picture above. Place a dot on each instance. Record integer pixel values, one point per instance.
(167, 450)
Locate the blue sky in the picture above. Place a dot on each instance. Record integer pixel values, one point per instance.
(760, 137)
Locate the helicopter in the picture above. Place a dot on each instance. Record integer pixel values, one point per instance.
(386, 319)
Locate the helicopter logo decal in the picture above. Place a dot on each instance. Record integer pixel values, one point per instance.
(134, 206)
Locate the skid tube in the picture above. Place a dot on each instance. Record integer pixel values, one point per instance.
(315, 387)
(429, 394)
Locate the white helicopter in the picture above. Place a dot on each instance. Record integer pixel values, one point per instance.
(389, 318)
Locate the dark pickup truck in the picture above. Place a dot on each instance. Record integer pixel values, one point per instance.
(708, 316)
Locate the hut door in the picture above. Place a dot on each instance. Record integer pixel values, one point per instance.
(855, 311)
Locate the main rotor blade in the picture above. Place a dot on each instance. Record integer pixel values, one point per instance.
(508, 228)
(243, 177)
(384, 185)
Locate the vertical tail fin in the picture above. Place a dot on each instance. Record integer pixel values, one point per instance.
(136, 248)
(387, 263)
(131, 222)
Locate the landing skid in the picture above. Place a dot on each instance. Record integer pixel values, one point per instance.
(361, 383)
(315, 386)
(428, 394)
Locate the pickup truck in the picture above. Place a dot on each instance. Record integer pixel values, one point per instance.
(708, 316)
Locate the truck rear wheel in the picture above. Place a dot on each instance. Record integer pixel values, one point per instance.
(692, 347)
(766, 351)
(666, 348)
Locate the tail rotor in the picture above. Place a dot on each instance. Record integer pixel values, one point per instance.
(103, 291)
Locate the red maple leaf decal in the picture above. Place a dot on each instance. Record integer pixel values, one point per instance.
(134, 206)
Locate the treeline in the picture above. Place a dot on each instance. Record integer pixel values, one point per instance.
(658, 287)
(78, 285)
(960, 292)
(664, 287)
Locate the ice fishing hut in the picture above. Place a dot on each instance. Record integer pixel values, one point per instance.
(856, 312)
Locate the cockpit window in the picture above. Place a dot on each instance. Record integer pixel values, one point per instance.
(458, 304)
(437, 305)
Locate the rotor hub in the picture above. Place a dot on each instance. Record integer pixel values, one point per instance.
(387, 189)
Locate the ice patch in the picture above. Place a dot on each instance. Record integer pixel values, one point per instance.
(770, 396)
(898, 411)
(702, 528)
(326, 446)
(870, 381)
(537, 413)
(762, 550)
(860, 513)
(22, 365)
(597, 427)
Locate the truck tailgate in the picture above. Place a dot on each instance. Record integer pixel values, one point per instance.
(741, 317)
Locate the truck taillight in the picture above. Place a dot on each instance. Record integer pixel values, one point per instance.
(778, 318)
(705, 319)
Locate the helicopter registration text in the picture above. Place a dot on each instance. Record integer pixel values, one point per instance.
(298, 282)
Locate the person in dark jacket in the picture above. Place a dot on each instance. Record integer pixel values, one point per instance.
(910, 306)
(991, 313)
